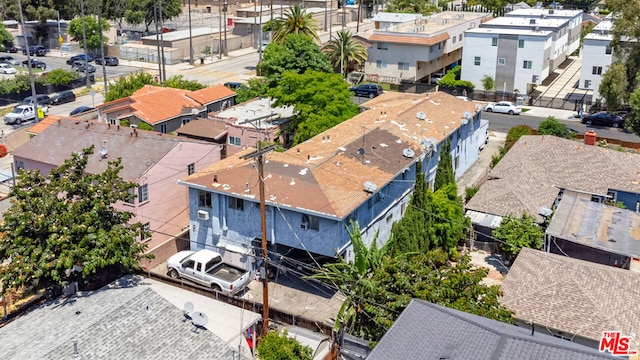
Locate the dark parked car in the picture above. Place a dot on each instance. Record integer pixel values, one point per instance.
(108, 60)
(9, 60)
(63, 97)
(35, 63)
(79, 57)
(80, 110)
(234, 85)
(37, 50)
(12, 49)
(82, 66)
(368, 90)
(41, 98)
(603, 118)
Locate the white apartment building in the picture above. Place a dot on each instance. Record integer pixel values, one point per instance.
(597, 56)
(514, 58)
(521, 49)
(417, 49)
(383, 20)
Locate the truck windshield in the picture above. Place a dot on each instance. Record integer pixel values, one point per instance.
(17, 111)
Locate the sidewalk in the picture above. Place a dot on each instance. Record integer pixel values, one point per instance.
(543, 112)
(480, 168)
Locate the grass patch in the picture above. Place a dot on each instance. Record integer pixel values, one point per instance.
(6, 110)
(525, 110)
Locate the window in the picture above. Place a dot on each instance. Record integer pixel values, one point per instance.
(596, 70)
(460, 37)
(502, 61)
(189, 264)
(310, 222)
(131, 199)
(185, 121)
(112, 121)
(191, 168)
(235, 141)
(431, 49)
(204, 199)
(587, 84)
(381, 64)
(20, 165)
(608, 50)
(476, 61)
(453, 40)
(146, 232)
(457, 162)
(235, 203)
(494, 41)
(382, 46)
(403, 66)
(143, 193)
(520, 44)
(638, 206)
(596, 198)
(389, 218)
(163, 128)
(527, 64)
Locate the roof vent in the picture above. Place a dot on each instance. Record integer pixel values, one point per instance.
(532, 21)
(370, 186)
(421, 115)
(408, 153)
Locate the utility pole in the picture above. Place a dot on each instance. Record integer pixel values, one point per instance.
(29, 66)
(104, 62)
(59, 34)
(220, 30)
(224, 12)
(155, 20)
(84, 42)
(190, 39)
(163, 78)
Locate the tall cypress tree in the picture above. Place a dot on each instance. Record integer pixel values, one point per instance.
(444, 172)
(414, 232)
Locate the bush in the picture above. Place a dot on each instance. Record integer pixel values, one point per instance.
(515, 133)
(495, 159)
(277, 346)
(551, 126)
(452, 80)
(17, 84)
(60, 77)
(144, 126)
(470, 191)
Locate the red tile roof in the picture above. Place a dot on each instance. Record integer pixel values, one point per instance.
(43, 124)
(211, 94)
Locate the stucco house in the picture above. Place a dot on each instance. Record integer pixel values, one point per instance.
(360, 170)
(154, 161)
(165, 109)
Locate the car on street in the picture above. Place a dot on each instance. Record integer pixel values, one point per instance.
(9, 60)
(367, 90)
(82, 66)
(35, 63)
(37, 50)
(12, 49)
(436, 77)
(23, 113)
(504, 107)
(7, 69)
(78, 57)
(108, 60)
(40, 98)
(63, 97)
(234, 85)
(80, 110)
(603, 118)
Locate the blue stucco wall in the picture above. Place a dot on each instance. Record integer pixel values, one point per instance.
(630, 200)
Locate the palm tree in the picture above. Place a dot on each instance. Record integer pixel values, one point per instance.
(295, 21)
(343, 50)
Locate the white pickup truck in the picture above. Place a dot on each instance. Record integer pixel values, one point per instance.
(23, 113)
(206, 267)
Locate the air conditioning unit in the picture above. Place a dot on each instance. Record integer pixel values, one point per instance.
(304, 226)
(203, 215)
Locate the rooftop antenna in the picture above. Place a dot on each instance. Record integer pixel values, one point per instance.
(199, 320)
(103, 151)
(76, 354)
(188, 308)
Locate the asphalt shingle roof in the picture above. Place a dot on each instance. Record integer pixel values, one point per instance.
(428, 331)
(122, 321)
(573, 296)
(531, 174)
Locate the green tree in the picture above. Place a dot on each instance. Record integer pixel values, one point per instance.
(114, 10)
(488, 83)
(279, 346)
(626, 33)
(449, 226)
(255, 87)
(296, 53)
(60, 77)
(6, 39)
(145, 126)
(64, 219)
(413, 233)
(632, 121)
(126, 85)
(295, 21)
(514, 134)
(179, 82)
(613, 87)
(412, 7)
(444, 171)
(92, 33)
(343, 50)
(515, 233)
(141, 11)
(452, 80)
(551, 126)
(320, 101)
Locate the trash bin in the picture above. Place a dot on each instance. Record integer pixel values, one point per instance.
(201, 61)
(519, 101)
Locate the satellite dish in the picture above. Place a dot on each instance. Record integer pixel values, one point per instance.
(370, 186)
(421, 115)
(199, 320)
(188, 307)
(103, 152)
(545, 211)
(465, 121)
(434, 144)
(408, 153)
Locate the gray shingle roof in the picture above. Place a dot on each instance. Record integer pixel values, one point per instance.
(121, 321)
(531, 173)
(429, 331)
(572, 296)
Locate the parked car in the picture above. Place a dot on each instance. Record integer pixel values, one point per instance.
(206, 267)
(368, 90)
(22, 113)
(82, 66)
(436, 77)
(35, 63)
(40, 98)
(108, 60)
(9, 60)
(37, 50)
(78, 57)
(603, 118)
(505, 107)
(7, 69)
(63, 97)
(12, 49)
(234, 85)
(80, 110)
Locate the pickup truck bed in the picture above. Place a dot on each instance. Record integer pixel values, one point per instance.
(227, 273)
